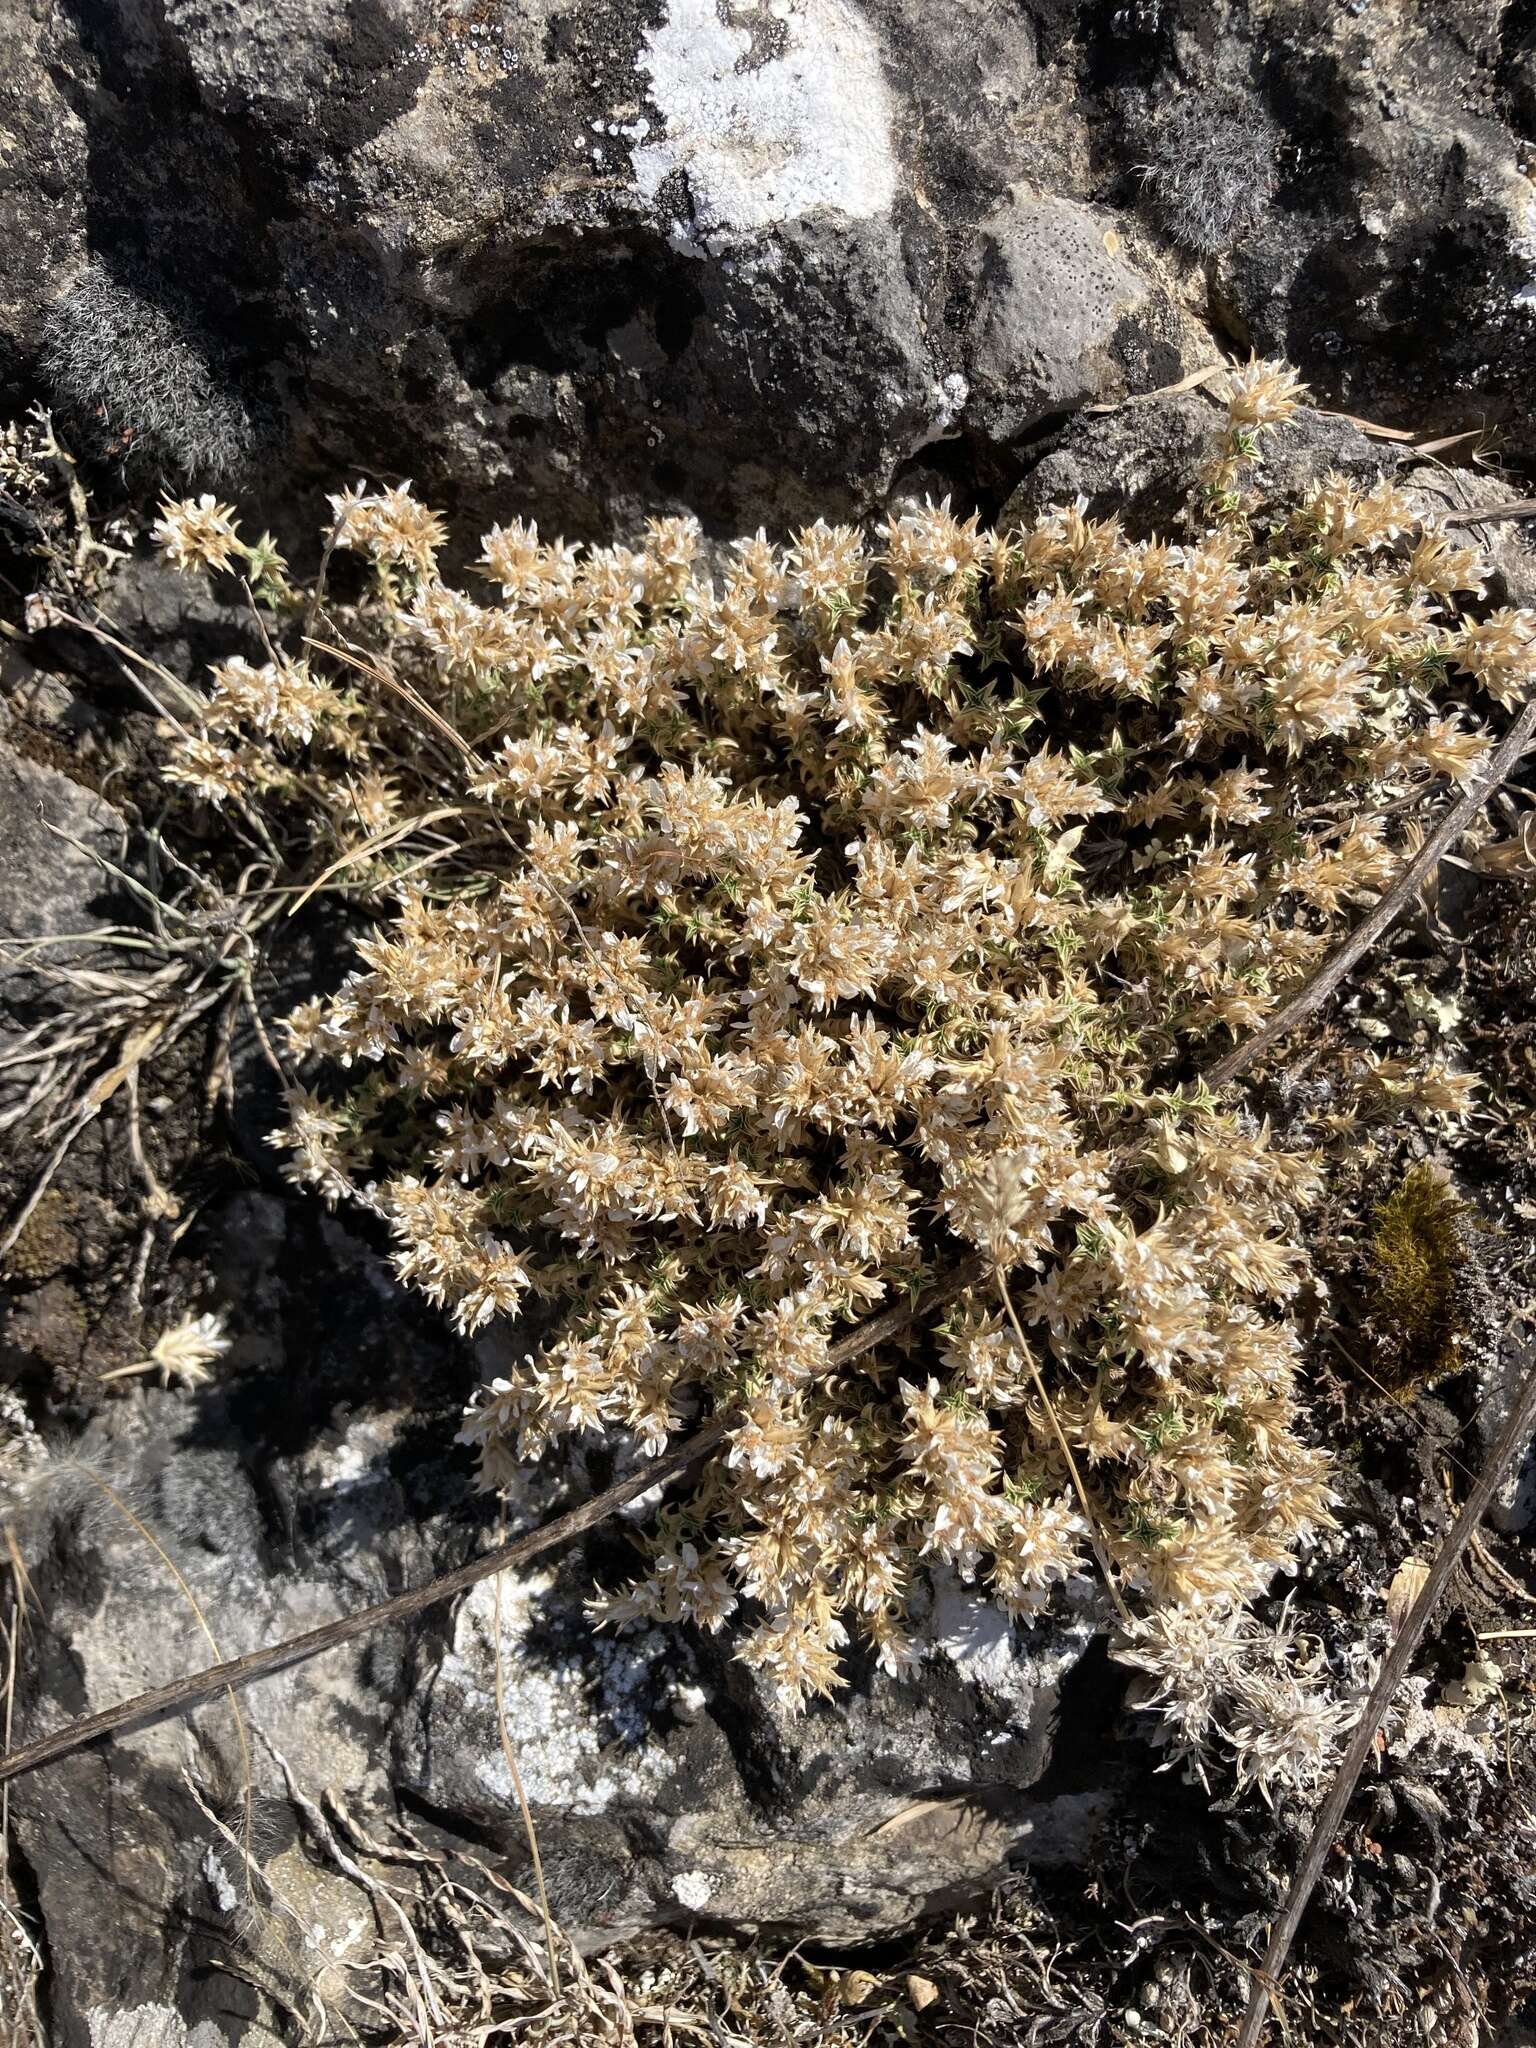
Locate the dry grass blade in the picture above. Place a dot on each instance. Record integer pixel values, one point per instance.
(1517, 508)
(1512, 1440)
(1084, 1500)
(1441, 444)
(382, 1894)
(89, 1104)
(158, 907)
(510, 1756)
(40, 1186)
(1190, 383)
(121, 1015)
(379, 843)
(1373, 429)
(280, 1941)
(147, 1536)
(131, 661)
(351, 658)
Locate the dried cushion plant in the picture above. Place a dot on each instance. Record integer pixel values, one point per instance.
(761, 937)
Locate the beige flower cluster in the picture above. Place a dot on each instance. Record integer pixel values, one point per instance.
(769, 929)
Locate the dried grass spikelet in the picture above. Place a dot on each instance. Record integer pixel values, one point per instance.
(758, 929)
(185, 1353)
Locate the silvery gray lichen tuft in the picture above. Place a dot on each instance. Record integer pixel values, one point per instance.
(1210, 168)
(140, 382)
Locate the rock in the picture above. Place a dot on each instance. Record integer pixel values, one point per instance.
(173, 618)
(318, 1474)
(1062, 318)
(696, 1793)
(56, 836)
(1142, 462)
(1503, 1380)
(591, 263)
(51, 883)
(134, 1848)
(1385, 110)
(765, 121)
(1145, 461)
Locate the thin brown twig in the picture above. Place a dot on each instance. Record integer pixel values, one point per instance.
(1512, 1440)
(1387, 911)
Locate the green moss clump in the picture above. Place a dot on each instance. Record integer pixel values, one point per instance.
(1419, 1254)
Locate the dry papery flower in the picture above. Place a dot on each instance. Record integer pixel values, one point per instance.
(184, 1353)
(761, 929)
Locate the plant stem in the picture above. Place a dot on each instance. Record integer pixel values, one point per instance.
(1095, 1534)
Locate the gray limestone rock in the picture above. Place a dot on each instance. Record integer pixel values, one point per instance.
(1062, 318)
(318, 1474)
(50, 883)
(752, 257)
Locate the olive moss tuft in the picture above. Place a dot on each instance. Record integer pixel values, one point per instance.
(49, 1242)
(1420, 1248)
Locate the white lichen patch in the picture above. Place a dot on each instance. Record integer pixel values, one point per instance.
(578, 1724)
(986, 1648)
(225, 1896)
(761, 143)
(693, 1889)
(946, 407)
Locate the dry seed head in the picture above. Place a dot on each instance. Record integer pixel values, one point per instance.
(198, 533)
(184, 1353)
(1262, 394)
